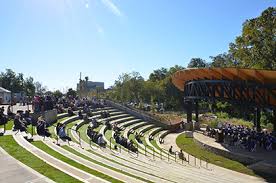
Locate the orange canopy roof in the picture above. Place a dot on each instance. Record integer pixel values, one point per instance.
(257, 75)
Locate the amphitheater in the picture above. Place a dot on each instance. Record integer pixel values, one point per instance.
(81, 160)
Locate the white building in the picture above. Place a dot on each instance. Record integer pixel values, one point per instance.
(5, 96)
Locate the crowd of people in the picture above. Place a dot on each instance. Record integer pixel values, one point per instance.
(244, 137)
(96, 137)
(128, 144)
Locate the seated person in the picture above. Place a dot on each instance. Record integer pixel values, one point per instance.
(80, 114)
(101, 141)
(170, 150)
(19, 124)
(41, 128)
(27, 117)
(61, 132)
(108, 125)
(137, 137)
(3, 118)
(9, 112)
(181, 155)
(131, 146)
(70, 111)
(94, 123)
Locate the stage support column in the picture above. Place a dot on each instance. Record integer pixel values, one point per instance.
(258, 119)
(196, 111)
(274, 120)
(188, 107)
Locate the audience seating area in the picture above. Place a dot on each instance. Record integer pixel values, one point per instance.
(242, 137)
(104, 144)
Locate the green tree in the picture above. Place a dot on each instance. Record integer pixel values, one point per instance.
(158, 74)
(57, 94)
(29, 87)
(197, 63)
(71, 93)
(222, 60)
(256, 47)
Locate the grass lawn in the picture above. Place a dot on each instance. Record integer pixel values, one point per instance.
(9, 125)
(188, 145)
(71, 162)
(29, 129)
(102, 164)
(24, 156)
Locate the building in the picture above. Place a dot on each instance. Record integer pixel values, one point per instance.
(5, 96)
(90, 86)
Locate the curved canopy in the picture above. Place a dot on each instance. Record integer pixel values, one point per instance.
(259, 76)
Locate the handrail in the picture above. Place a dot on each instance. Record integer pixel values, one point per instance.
(153, 150)
(92, 147)
(169, 155)
(206, 160)
(137, 153)
(77, 133)
(115, 144)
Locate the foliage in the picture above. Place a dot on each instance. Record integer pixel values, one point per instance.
(71, 93)
(131, 87)
(57, 94)
(222, 60)
(197, 63)
(256, 47)
(16, 82)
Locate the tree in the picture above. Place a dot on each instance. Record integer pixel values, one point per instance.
(29, 87)
(256, 47)
(197, 63)
(158, 74)
(71, 93)
(222, 60)
(39, 88)
(11, 81)
(57, 94)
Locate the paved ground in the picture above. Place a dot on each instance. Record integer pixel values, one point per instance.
(12, 171)
(17, 107)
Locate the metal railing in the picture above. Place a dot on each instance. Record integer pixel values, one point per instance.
(153, 150)
(77, 133)
(137, 153)
(92, 147)
(206, 162)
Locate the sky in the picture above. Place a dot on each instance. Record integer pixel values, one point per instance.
(54, 40)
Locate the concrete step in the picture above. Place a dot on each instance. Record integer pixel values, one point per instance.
(90, 164)
(70, 170)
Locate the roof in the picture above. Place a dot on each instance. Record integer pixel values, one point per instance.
(3, 90)
(256, 75)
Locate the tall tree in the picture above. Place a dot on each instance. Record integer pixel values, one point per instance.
(256, 47)
(158, 74)
(222, 60)
(197, 63)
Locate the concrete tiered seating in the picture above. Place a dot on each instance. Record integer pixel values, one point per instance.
(115, 164)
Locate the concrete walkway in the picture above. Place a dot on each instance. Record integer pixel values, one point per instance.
(70, 170)
(13, 171)
(170, 140)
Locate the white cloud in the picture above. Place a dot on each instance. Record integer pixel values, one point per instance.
(100, 30)
(86, 4)
(112, 7)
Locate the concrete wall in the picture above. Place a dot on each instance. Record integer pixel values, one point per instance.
(49, 116)
(144, 117)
